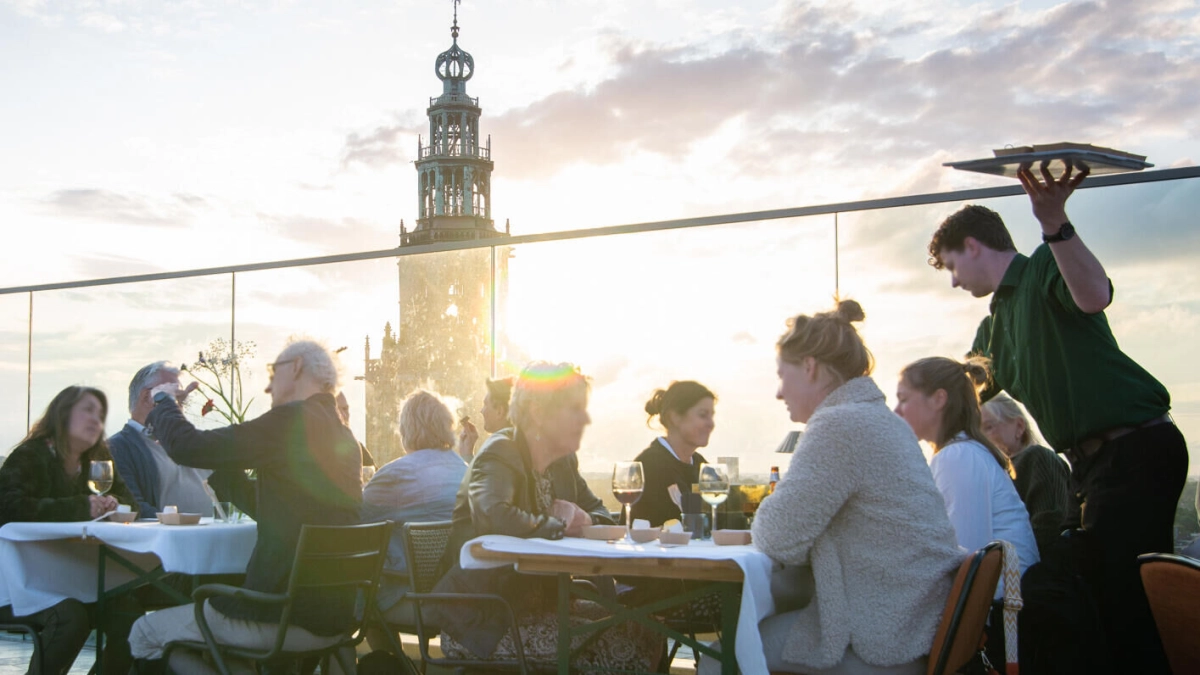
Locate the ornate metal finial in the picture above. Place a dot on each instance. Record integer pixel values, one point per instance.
(454, 66)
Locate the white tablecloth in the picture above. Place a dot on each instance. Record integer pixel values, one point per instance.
(756, 566)
(42, 564)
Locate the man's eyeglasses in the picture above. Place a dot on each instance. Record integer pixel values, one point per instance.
(272, 366)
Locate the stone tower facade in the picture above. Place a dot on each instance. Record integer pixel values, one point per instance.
(443, 339)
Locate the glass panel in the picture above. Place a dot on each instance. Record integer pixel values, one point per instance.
(102, 336)
(346, 305)
(639, 311)
(14, 355)
(1144, 235)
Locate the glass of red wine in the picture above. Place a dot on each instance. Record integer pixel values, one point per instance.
(627, 485)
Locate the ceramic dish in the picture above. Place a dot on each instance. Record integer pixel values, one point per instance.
(122, 517)
(674, 538)
(179, 518)
(603, 532)
(643, 535)
(731, 537)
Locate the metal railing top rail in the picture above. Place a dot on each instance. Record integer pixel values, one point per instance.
(1109, 180)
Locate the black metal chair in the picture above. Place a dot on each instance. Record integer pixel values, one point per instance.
(424, 546)
(20, 625)
(327, 557)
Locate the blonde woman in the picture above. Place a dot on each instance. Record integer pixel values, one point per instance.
(525, 482)
(857, 516)
(418, 487)
(1042, 476)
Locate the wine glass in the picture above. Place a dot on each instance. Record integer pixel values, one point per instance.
(627, 485)
(100, 476)
(714, 487)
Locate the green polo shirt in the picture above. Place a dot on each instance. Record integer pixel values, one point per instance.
(1061, 362)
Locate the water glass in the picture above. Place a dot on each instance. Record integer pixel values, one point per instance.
(714, 487)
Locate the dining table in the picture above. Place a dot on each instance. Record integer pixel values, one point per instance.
(728, 569)
(42, 564)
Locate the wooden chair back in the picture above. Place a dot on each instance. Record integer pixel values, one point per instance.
(964, 620)
(1172, 585)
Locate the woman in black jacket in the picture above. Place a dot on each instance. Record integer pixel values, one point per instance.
(686, 412)
(45, 479)
(525, 482)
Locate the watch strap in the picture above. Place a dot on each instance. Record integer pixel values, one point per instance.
(1065, 232)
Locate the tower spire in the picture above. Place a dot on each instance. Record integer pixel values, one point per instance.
(454, 28)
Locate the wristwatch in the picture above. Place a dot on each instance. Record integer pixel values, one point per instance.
(161, 396)
(1065, 232)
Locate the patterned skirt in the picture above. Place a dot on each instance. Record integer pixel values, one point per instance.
(626, 646)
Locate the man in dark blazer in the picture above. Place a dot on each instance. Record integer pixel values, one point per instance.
(154, 479)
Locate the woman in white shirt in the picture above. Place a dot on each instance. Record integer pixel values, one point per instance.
(939, 398)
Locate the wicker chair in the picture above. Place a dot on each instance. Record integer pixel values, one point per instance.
(424, 546)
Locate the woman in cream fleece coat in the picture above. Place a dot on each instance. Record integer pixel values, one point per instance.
(859, 507)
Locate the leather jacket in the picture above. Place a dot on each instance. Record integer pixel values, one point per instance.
(499, 496)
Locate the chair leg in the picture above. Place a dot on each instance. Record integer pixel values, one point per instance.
(346, 660)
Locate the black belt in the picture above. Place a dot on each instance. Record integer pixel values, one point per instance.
(1087, 447)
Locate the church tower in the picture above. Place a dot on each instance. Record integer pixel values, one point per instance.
(443, 339)
(454, 171)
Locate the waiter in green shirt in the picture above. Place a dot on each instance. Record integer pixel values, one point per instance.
(1052, 349)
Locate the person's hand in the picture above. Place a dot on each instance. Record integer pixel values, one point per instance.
(574, 517)
(101, 504)
(180, 396)
(171, 388)
(467, 438)
(1049, 199)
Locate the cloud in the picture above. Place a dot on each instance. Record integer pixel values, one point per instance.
(331, 235)
(116, 208)
(101, 266)
(381, 146)
(827, 89)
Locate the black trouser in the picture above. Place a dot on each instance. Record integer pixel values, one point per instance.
(1125, 497)
(63, 629)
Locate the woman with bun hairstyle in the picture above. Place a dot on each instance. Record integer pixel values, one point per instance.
(685, 411)
(939, 398)
(856, 519)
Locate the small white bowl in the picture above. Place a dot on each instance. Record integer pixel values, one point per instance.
(603, 532)
(643, 535)
(731, 537)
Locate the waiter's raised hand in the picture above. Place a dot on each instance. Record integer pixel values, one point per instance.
(1049, 198)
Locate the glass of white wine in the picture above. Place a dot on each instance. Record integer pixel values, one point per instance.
(628, 482)
(100, 476)
(714, 487)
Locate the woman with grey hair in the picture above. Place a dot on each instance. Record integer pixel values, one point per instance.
(417, 487)
(1042, 477)
(525, 482)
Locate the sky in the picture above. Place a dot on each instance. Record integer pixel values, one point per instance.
(141, 136)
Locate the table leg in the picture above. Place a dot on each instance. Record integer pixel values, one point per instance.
(730, 607)
(100, 611)
(564, 624)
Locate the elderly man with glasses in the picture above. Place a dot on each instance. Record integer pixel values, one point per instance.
(308, 468)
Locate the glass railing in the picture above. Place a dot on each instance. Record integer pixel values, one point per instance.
(636, 307)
